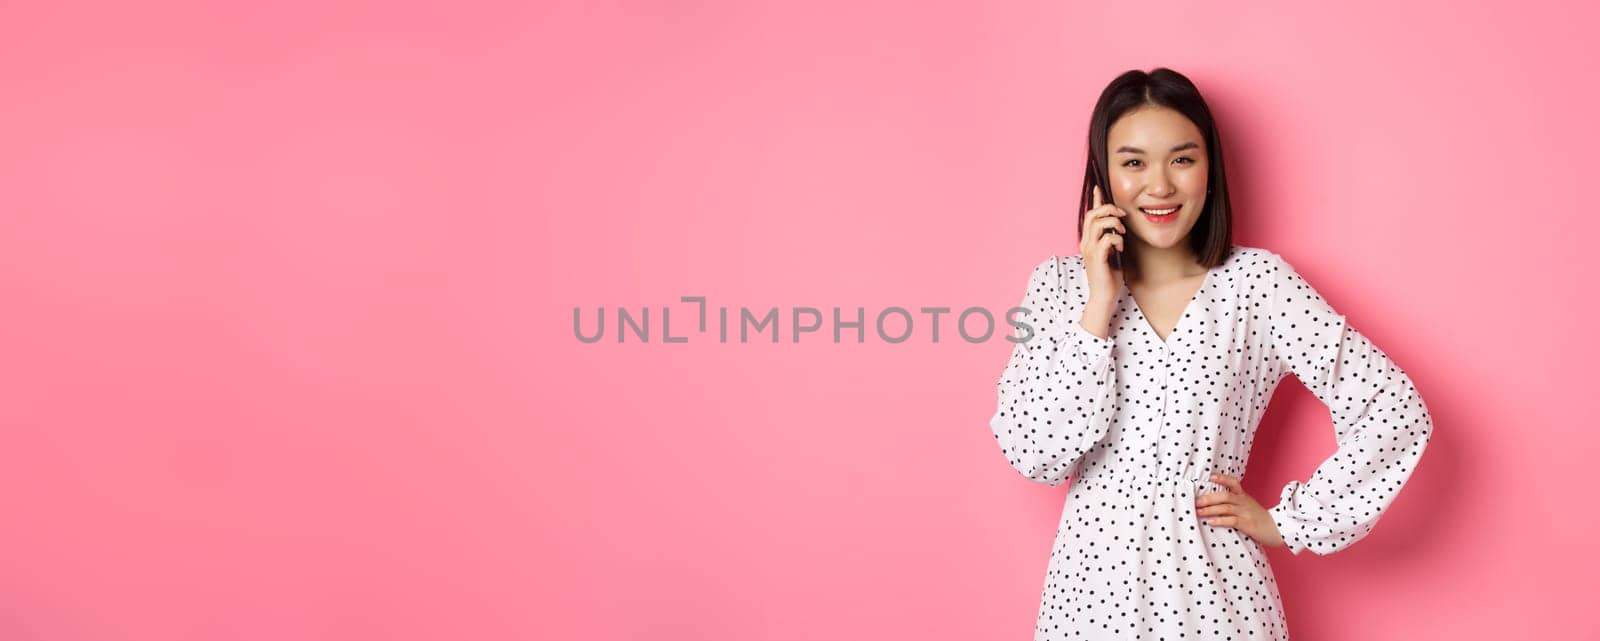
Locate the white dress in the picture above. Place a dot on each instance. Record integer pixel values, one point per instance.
(1144, 423)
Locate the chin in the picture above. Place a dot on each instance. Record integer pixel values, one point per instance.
(1166, 241)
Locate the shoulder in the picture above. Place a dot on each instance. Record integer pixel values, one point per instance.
(1253, 260)
(1057, 280)
(1056, 271)
(1257, 263)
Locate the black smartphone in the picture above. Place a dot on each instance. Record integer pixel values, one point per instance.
(1116, 255)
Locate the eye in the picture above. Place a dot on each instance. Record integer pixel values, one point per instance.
(1191, 160)
(1130, 162)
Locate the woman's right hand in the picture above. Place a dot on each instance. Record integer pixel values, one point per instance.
(1095, 246)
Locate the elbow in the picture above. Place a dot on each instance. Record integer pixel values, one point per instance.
(1418, 408)
(1027, 458)
(1420, 431)
(1044, 472)
(1426, 424)
(1036, 471)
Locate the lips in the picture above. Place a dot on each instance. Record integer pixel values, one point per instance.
(1161, 210)
(1167, 218)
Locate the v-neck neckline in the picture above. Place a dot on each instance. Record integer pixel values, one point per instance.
(1184, 316)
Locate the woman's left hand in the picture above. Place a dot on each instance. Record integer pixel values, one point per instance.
(1233, 508)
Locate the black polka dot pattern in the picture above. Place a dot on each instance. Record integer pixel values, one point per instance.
(1141, 423)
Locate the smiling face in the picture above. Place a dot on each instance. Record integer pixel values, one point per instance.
(1157, 162)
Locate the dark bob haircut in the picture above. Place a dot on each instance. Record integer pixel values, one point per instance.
(1212, 236)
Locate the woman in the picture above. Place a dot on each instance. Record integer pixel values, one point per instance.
(1144, 366)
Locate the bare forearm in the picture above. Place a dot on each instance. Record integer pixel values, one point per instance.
(1097, 317)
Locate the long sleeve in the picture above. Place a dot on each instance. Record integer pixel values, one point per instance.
(1380, 422)
(1056, 394)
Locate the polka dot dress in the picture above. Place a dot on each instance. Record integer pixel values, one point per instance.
(1140, 424)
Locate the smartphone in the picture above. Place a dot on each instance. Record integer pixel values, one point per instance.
(1116, 254)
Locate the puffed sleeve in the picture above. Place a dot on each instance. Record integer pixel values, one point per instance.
(1056, 393)
(1380, 422)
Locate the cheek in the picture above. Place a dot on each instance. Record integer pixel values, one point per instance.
(1125, 188)
(1194, 180)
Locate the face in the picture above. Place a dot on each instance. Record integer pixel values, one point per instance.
(1157, 161)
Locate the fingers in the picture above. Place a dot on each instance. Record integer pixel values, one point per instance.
(1229, 482)
(1102, 208)
(1103, 223)
(1226, 508)
(1101, 218)
(1100, 246)
(1110, 240)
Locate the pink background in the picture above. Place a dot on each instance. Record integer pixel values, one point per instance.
(288, 347)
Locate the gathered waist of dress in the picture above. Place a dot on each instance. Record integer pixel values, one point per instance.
(1125, 477)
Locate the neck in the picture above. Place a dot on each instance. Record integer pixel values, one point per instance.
(1163, 265)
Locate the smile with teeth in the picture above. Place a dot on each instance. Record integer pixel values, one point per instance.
(1161, 216)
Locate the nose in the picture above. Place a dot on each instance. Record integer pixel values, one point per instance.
(1159, 186)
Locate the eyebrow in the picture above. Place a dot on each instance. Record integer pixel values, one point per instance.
(1136, 150)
